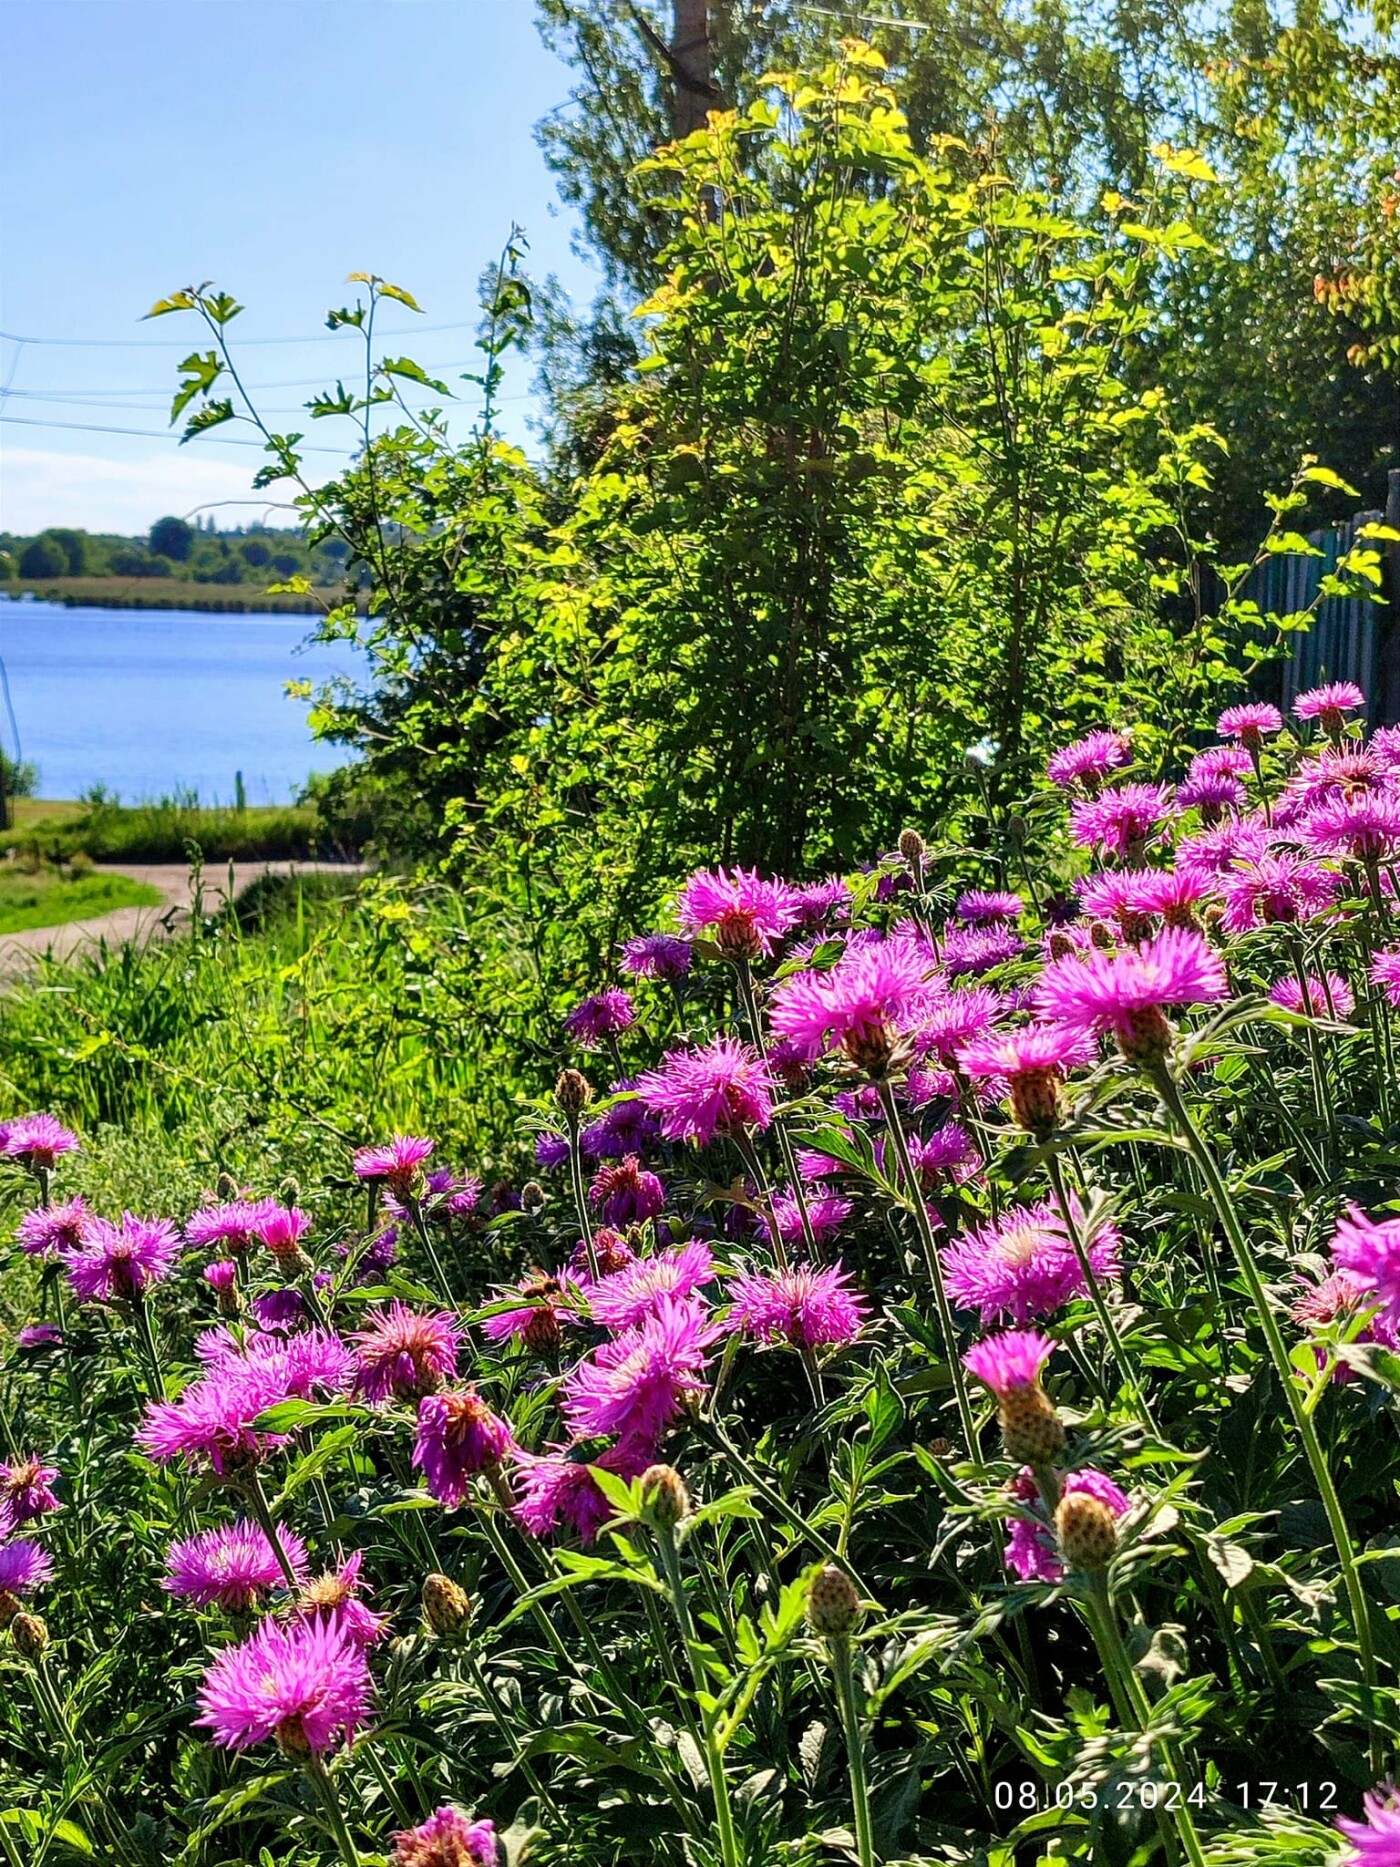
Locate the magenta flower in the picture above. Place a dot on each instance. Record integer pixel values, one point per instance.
(1234, 761)
(558, 1486)
(722, 1088)
(626, 1193)
(221, 1276)
(1370, 1250)
(304, 1684)
(1251, 723)
(24, 1566)
(1334, 774)
(956, 1019)
(404, 1353)
(820, 902)
(336, 1600)
(37, 1335)
(540, 1320)
(1212, 792)
(1384, 744)
(1024, 1264)
(396, 1164)
(1212, 853)
(1375, 1840)
(979, 906)
(232, 1226)
(605, 1015)
(551, 1149)
(1174, 894)
(1329, 705)
(968, 952)
(747, 915)
(1034, 1050)
(625, 1298)
(230, 1567)
(1332, 999)
(1009, 1361)
(950, 1149)
(628, 1127)
(657, 956)
(1031, 1554)
(447, 1839)
(1276, 889)
(1125, 992)
(859, 1006)
(1340, 1295)
(279, 1312)
(447, 1195)
(635, 1385)
(1385, 972)
(1362, 825)
(1118, 896)
(281, 1229)
(458, 1436)
(827, 1212)
(52, 1231)
(37, 1141)
(116, 1262)
(1090, 760)
(26, 1492)
(808, 1307)
(1121, 821)
(213, 1419)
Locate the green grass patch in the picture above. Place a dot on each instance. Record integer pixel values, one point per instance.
(167, 831)
(50, 897)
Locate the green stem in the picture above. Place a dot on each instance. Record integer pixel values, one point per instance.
(935, 1270)
(420, 1225)
(155, 1381)
(1070, 1220)
(771, 1495)
(1176, 1108)
(714, 1759)
(585, 1224)
(491, 1701)
(779, 1127)
(262, 1510)
(330, 1802)
(843, 1672)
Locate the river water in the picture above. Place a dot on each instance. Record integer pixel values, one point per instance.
(154, 702)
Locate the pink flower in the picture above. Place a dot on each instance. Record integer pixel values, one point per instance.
(1385, 972)
(232, 1226)
(446, 1839)
(1024, 1264)
(827, 1212)
(24, 1566)
(858, 1006)
(1333, 999)
(1030, 1551)
(1370, 1249)
(1333, 774)
(820, 902)
(1340, 1295)
(1211, 792)
(635, 1385)
(810, 1307)
(1329, 704)
(955, 1019)
(304, 1684)
(1119, 896)
(230, 1567)
(1233, 761)
(559, 1485)
(657, 956)
(121, 1261)
(1034, 1050)
(1122, 820)
(748, 915)
(1090, 760)
(336, 1599)
(1125, 992)
(627, 1193)
(37, 1141)
(1362, 825)
(213, 1419)
(968, 952)
(1375, 1840)
(458, 1436)
(625, 1298)
(396, 1164)
(722, 1088)
(51, 1231)
(281, 1229)
(1210, 853)
(979, 906)
(1250, 723)
(221, 1275)
(26, 1492)
(404, 1353)
(604, 1015)
(38, 1335)
(540, 1320)
(1009, 1361)
(1275, 889)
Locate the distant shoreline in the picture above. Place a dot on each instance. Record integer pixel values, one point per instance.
(163, 593)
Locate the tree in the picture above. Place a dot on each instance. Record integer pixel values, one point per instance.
(75, 546)
(256, 553)
(43, 556)
(172, 538)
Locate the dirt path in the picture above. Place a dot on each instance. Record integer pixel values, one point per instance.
(17, 950)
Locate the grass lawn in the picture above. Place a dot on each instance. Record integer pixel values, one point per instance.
(162, 832)
(48, 898)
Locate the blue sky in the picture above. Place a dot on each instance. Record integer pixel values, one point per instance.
(270, 145)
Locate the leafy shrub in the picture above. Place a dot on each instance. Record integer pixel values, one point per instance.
(703, 1539)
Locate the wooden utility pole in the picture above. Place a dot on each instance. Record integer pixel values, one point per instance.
(689, 60)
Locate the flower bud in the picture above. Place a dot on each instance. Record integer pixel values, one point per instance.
(289, 1192)
(833, 1606)
(1148, 1037)
(1030, 1427)
(912, 847)
(1035, 1102)
(1087, 1530)
(29, 1635)
(573, 1091)
(9, 1607)
(447, 1606)
(225, 1188)
(737, 936)
(532, 1197)
(665, 1500)
(1061, 946)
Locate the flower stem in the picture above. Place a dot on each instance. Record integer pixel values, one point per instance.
(714, 1757)
(420, 1225)
(155, 1381)
(924, 1228)
(843, 1672)
(784, 1140)
(1070, 1220)
(335, 1815)
(262, 1510)
(585, 1224)
(1180, 1116)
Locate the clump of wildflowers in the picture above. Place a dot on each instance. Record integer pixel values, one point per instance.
(303, 1684)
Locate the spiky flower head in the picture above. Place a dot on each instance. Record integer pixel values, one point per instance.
(558, 1487)
(447, 1839)
(1024, 1264)
(746, 915)
(303, 1684)
(230, 1226)
(397, 1163)
(1033, 1063)
(721, 1088)
(540, 1319)
(1250, 723)
(1121, 821)
(1385, 972)
(1370, 1249)
(458, 1436)
(50, 1231)
(405, 1353)
(230, 1567)
(635, 1385)
(1032, 1553)
(624, 1298)
(1010, 1365)
(1276, 887)
(833, 1605)
(1125, 993)
(657, 956)
(627, 1193)
(24, 1566)
(1329, 997)
(607, 1014)
(118, 1262)
(1375, 1839)
(281, 1229)
(1090, 760)
(807, 1306)
(861, 1006)
(37, 1142)
(26, 1492)
(336, 1597)
(979, 907)
(1329, 705)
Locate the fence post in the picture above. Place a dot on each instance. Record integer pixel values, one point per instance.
(1385, 703)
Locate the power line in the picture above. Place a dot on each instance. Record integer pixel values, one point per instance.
(175, 343)
(148, 434)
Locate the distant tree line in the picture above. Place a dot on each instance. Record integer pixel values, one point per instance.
(174, 548)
